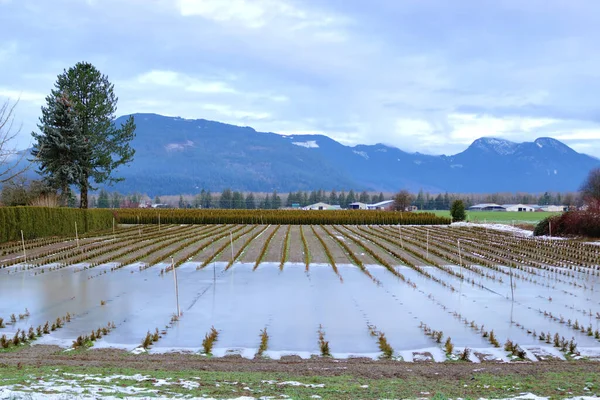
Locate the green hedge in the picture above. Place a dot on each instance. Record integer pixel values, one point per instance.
(278, 217)
(39, 222)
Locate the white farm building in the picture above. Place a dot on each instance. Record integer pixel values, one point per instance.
(518, 207)
(321, 206)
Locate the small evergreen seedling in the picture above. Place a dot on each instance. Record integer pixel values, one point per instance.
(449, 347)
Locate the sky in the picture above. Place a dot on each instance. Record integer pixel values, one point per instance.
(421, 75)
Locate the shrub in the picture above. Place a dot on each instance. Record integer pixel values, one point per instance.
(384, 346)
(571, 223)
(264, 342)
(323, 344)
(43, 221)
(209, 340)
(449, 347)
(457, 211)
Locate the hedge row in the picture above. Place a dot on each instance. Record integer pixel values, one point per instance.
(571, 223)
(36, 222)
(278, 217)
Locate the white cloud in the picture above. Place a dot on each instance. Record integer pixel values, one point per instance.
(254, 14)
(179, 80)
(227, 111)
(26, 96)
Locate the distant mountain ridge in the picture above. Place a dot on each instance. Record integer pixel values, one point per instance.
(176, 155)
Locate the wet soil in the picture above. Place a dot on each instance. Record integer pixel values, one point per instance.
(41, 355)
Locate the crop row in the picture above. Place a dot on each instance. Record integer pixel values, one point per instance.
(276, 217)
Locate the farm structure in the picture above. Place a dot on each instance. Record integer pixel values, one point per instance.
(518, 208)
(380, 291)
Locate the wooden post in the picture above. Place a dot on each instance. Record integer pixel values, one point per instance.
(114, 237)
(76, 235)
(550, 227)
(139, 227)
(24, 252)
(231, 241)
(459, 254)
(159, 222)
(176, 286)
(512, 290)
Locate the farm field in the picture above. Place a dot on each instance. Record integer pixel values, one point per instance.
(412, 293)
(504, 217)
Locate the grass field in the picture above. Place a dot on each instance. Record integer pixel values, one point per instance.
(22, 383)
(507, 217)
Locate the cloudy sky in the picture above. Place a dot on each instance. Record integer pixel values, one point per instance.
(422, 75)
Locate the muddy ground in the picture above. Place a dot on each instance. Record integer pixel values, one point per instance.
(41, 355)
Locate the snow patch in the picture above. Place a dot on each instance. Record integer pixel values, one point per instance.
(179, 146)
(498, 227)
(310, 144)
(362, 154)
(456, 166)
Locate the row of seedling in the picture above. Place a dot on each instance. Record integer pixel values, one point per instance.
(377, 257)
(286, 248)
(23, 337)
(387, 352)
(376, 239)
(233, 235)
(350, 253)
(327, 253)
(265, 247)
(13, 319)
(88, 340)
(305, 250)
(244, 245)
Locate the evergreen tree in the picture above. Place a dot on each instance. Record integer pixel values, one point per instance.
(157, 200)
(290, 200)
(197, 203)
(181, 201)
(312, 199)
(115, 200)
(457, 210)
(351, 198)
(250, 203)
(275, 201)
(207, 202)
(381, 198)
(93, 202)
(267, 203)
(226, 199)
(103, 201)
(304, 201)
(342, 200)
(59, 145)
(420, 200)
(375, 199)
(99, 147)
(333, 198)
(237, 200)
(72, 200)
(364, 197)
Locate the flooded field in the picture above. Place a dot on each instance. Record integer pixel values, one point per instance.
(412, 292)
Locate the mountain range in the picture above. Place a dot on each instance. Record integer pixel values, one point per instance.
(176, 155)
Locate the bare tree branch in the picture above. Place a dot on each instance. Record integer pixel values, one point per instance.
(10, 160)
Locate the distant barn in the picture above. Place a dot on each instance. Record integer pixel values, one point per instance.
(487, 207)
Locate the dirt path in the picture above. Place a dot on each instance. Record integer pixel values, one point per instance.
(41, 355)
